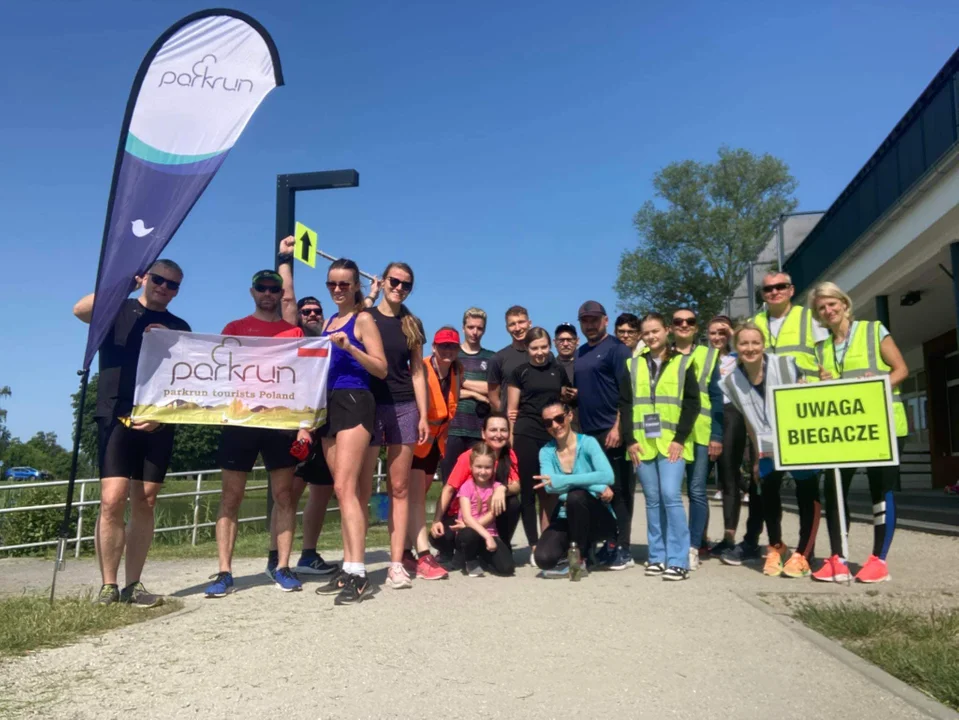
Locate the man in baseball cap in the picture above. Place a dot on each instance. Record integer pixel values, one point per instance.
(600, 365)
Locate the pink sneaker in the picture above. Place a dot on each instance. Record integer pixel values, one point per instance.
(428, 569)
(873, 571)
(833, 570)
(397, 578)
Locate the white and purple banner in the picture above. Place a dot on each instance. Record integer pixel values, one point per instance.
(196, 89)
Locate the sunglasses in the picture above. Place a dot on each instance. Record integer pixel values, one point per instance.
(272, 289)
(330, 285)
(688, 322)
(777, 287)
(555, 420)
(311, 311)
(397, 283)
(160, 281)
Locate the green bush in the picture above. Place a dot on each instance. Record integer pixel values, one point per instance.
(38, 525)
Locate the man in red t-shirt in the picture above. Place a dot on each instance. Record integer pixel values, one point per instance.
(239, 447)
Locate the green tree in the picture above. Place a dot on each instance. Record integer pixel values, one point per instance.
(88, 434)
(5, 392)
(717, 216)
(42, 452)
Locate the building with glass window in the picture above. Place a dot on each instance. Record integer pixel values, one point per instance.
(891, 240)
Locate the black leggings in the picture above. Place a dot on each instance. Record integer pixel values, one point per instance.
(527, 454)
(883, 482)
(624, 488)
(729, 466)
(807, 498)
(472, 546)
(506, 523)
(588, 520)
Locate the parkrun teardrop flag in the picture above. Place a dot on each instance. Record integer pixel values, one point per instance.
(193, 95)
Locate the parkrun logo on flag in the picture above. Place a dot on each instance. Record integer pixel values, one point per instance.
(203, 74)
(226, 369)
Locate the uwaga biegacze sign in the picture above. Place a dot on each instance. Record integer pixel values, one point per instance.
(192, 378)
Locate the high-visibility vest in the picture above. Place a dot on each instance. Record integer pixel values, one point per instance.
(441, 409)
(779, 370)
(796, 339)
(705, 359)
(668, 403)
(863, 356)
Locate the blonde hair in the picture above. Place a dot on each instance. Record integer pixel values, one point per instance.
(829, 290)
(474, 312)
(747, 325)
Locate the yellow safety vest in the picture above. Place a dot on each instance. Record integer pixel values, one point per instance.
(796, 338)
(705, 359)
(862, 356)
(668, 403)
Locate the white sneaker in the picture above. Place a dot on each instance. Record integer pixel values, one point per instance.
(746, 499)
(718, 495)
(693, 559)
(474, 569)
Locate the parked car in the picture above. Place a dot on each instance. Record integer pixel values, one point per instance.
(22, 474)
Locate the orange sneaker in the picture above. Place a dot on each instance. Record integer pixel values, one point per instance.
(873, 571)
(833, 569)
(796, 566)
(774, 560)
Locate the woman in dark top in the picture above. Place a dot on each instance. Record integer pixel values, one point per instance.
(532, 386)
(400, 420)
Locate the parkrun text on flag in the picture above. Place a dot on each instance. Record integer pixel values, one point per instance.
(192, 378)
(194, 94)
(835, 424)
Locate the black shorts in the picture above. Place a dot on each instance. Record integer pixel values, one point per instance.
(239, 447)
(346, 409)
(315, 471)
(429, 463)
(133, 454)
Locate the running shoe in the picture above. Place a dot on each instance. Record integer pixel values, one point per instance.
(952, 489)
(774, 560)
(621, 559)
(428, 569)
(560, 572)
(221, 586)
(474, 568)
(674, 572)
(108, 595)
(287, 581)
(655, 569)
(137, 595)
(718, 495)
(397, 577)
(693, 559)
(355, 590)
(745, 498)
(722, 546)
(604, 556)
(335, 585)
(833, 569)
(796, 566)
(873, 571)
(741, 553)
(314, 565)
(409, 563)
(270, 571)
(445, 559)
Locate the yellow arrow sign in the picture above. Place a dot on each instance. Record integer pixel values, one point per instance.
(306, 244)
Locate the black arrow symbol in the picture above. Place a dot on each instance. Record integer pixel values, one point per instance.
(305, 243)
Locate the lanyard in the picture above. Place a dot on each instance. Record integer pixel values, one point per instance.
(840, 365)
(655, 371)
(760, 409)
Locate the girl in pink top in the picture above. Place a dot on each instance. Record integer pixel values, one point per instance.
(478, 542)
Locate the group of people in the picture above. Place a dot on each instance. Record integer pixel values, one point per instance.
(547, 431)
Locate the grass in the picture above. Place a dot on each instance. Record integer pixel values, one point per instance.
(29, 622)
(921, 649)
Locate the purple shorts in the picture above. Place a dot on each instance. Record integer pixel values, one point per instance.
(396, 424)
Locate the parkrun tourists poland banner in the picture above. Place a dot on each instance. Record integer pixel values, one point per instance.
(198, 379)
(193, 95)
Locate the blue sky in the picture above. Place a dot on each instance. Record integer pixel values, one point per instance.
(503, 148)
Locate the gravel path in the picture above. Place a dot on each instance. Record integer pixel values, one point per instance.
(618, 645)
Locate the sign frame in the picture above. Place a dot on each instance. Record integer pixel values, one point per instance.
(771, 397)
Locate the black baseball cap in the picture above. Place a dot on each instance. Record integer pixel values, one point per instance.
(591, 308)
(566, 327)
(308, 300)
(267, 275)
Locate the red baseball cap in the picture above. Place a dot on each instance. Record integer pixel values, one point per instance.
(446, 335)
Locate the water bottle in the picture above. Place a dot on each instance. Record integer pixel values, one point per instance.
(575, 562)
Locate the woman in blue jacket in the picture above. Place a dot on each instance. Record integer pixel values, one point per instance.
(574, 467)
